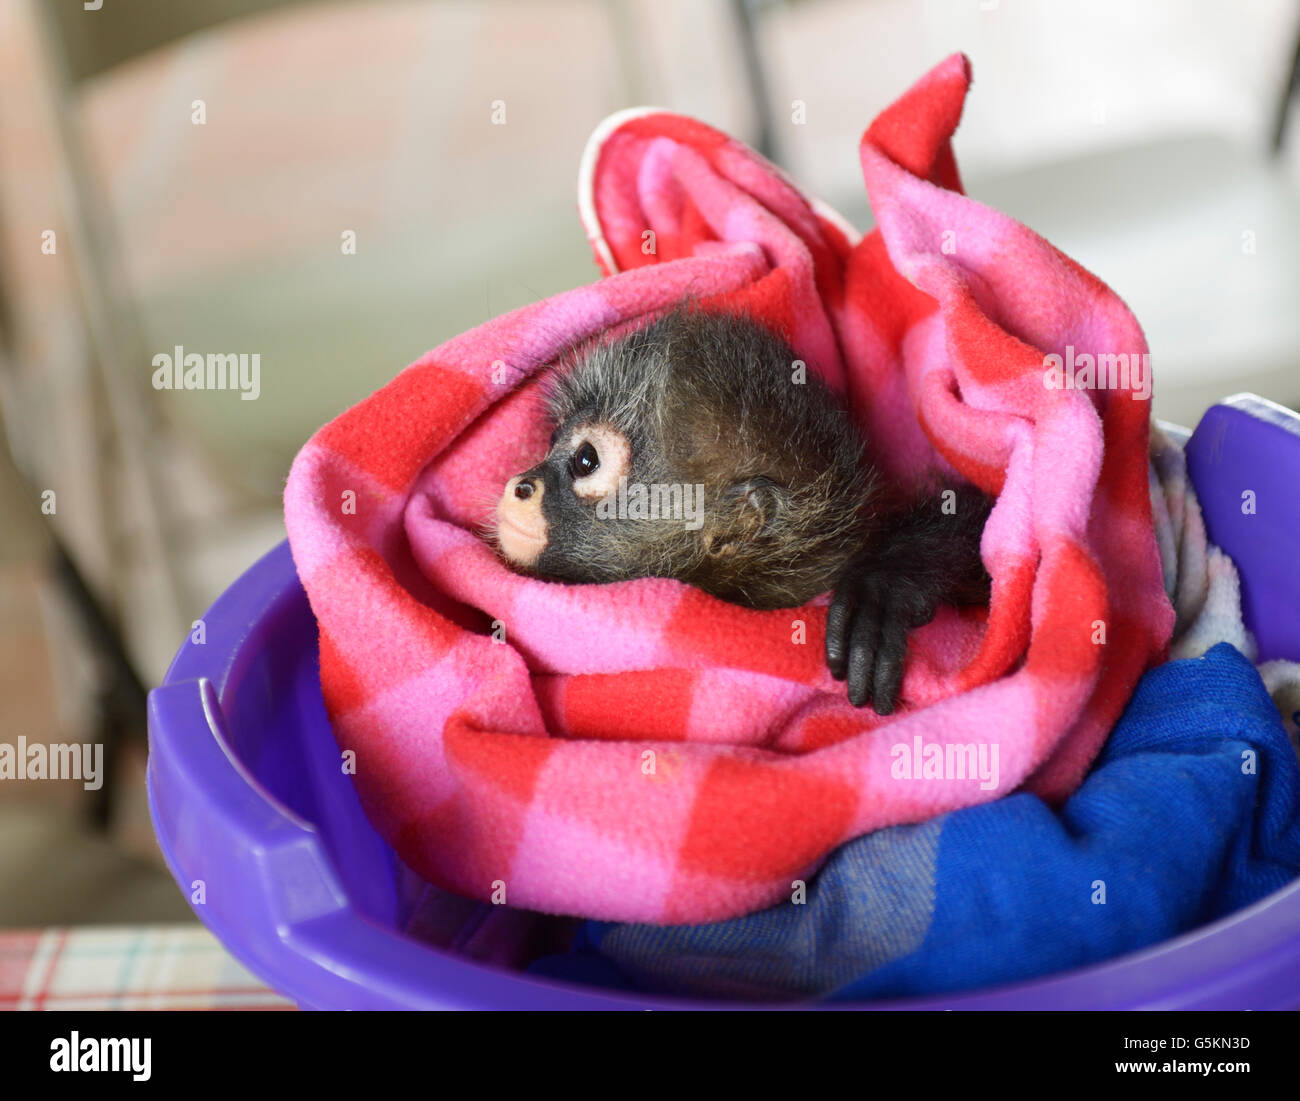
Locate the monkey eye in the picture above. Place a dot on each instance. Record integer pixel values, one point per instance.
(584, 461)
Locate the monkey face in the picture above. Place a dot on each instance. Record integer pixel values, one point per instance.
(723, 473)
(596, 510)
(548, 521)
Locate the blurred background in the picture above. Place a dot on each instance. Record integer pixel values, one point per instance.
(197, 173)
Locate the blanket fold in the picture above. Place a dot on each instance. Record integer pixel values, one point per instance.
(641, 751)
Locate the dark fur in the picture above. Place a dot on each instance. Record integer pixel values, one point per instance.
(792, 506)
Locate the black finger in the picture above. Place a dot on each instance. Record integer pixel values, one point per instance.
(862, 654)
(889, 661)
(838, 618)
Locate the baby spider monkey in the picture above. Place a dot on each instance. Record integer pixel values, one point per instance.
(687, 449)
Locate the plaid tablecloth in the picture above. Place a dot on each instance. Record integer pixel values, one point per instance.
(126, 967)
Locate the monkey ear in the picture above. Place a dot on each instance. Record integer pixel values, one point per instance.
(747, 510)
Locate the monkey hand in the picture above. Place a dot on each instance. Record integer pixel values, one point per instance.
(928, 553)
(875, 603)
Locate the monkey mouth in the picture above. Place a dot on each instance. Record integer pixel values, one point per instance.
(519, 544)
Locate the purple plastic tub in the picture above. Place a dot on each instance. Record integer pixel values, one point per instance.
(247, 796)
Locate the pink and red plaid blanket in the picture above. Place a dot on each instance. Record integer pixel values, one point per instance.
(641, 751)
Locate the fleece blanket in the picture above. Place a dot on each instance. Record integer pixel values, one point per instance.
(644, 752)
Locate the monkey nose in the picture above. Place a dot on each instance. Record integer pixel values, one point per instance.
(525, 489)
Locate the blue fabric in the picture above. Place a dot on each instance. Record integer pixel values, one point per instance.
(1191, 811)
